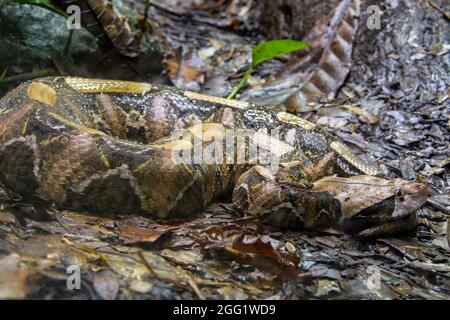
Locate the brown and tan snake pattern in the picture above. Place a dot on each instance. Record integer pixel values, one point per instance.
(107, 147)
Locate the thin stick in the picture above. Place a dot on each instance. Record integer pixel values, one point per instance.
(29, 75)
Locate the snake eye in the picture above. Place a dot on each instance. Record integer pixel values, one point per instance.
(322, 217)
(400, 195)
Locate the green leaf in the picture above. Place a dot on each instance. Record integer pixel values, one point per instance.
(265, 51)
(274, 48)
(47, 4)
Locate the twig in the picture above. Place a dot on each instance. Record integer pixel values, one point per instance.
(434, 5)
(29, 75)
(194, 287)
(69, 42)
(144, 21)
(145, 263)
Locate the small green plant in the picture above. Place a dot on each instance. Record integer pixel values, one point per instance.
(265, 51)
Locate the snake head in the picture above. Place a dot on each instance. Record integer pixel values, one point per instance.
(410, 197)
(375, 207)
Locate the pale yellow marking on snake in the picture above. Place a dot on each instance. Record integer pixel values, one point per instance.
(5, 111)
(188, 169)
(265, 172)
(181, 145)
(255, 186)
(140, 166)
(272, 144)
(46, 142)
(348, 182)
(25, 126)
(43, 93)
(347, 154)
(76, 125)
(52, 140)
(101, 85)
(208, 131)
(6, 124)
(219, 100)
(292, 119)
(174, 145)
(104, 159)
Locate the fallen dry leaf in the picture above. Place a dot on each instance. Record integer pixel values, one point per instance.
(131, 230)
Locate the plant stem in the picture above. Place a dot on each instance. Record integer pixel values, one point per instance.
(241, 83)
(144, 21)
(67, 47)
(4, 73)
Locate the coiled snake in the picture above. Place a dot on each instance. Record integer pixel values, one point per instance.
(108, 146)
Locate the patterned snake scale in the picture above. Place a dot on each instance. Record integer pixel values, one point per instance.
(107, 146)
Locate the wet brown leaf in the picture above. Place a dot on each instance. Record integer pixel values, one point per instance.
(265, 253)
(136, 230)
(186, 71)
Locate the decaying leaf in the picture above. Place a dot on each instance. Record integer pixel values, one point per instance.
(441, 202)
(186, 70)
(135, 230)
(118, 53)
(265, 253)
(102, 18)
(76, 223)
(326, 287)
(320, 71)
